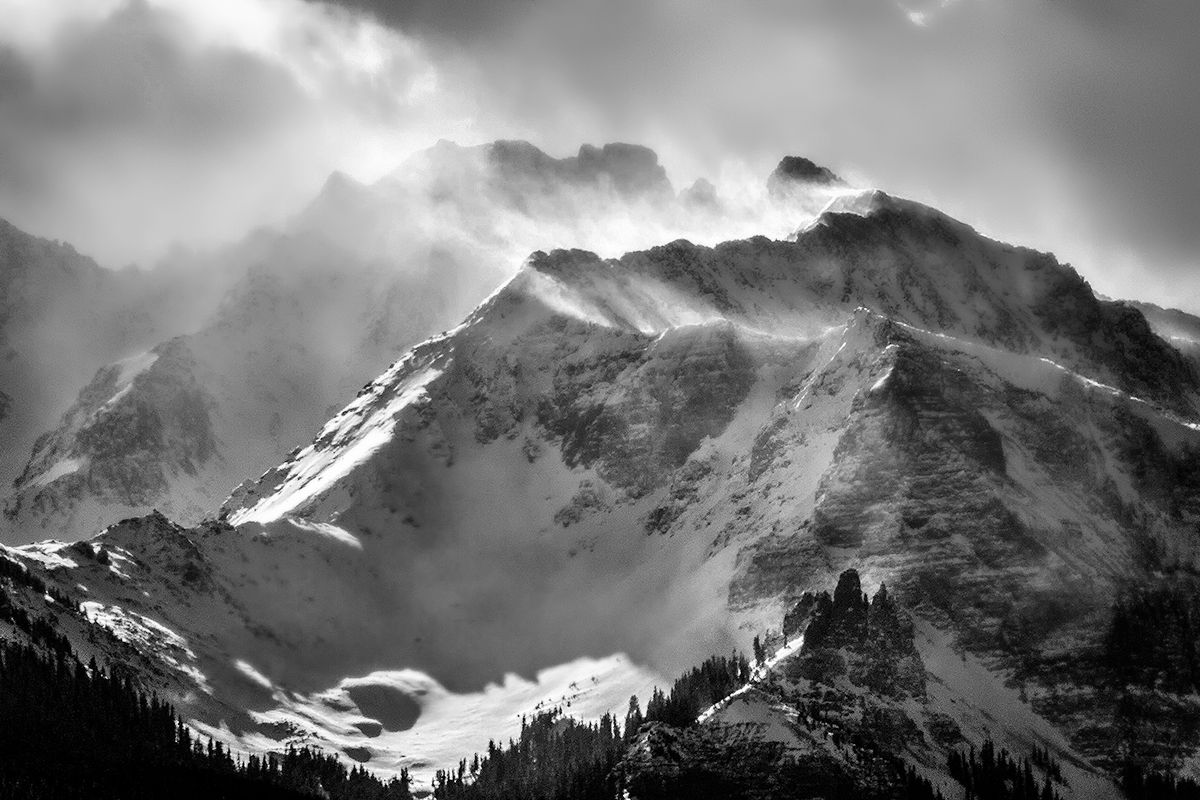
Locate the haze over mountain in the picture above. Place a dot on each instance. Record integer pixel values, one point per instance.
(613, 468)
(312, 311)
(126, 127)
(62, 316)
(345, 428)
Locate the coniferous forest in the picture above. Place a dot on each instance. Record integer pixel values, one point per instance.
(663, 754)
(992, 775)
(70, 730)
(1143, 785)
(75, 731)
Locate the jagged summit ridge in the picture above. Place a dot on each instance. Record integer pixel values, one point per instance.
(895, 257)
(875, 254)
(630, 169)
(523, 172)
(362, 273)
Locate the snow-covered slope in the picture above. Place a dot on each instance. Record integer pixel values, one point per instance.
(656, 455)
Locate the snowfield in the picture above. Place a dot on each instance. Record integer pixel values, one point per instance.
(406, 719)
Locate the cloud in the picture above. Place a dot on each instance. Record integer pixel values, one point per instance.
(1063, 124)
(129, 128)
(1125, 111)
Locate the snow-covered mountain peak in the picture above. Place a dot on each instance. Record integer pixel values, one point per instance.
(871, 263)
(656, 454)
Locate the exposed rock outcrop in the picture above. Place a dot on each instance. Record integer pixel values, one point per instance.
(870, 642)
(798, 170)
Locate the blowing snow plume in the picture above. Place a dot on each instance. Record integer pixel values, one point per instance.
(325, 303)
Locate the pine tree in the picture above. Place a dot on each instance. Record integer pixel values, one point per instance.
(633, 719)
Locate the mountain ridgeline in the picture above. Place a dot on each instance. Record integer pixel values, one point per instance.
(949, 492)
(195, 388)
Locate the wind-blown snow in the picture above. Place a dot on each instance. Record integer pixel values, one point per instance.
(60, 469)
(250, 672)
(127, 370)
(130, 368)
(564, 300)
(488, 542)
(862, 202)
(328, 530)
(612, 298)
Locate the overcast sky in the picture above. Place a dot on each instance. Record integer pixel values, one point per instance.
(1069, 125)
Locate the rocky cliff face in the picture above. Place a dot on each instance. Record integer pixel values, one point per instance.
(139, 427)
(661, 454)
(869, 641)
(628, 169)
(62, 317)
(794, 172)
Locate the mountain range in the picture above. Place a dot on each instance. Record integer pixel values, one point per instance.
(293, 322)
(613, 467)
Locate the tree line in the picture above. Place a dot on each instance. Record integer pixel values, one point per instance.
(992, 775)
(663, 754)
(70, 730)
